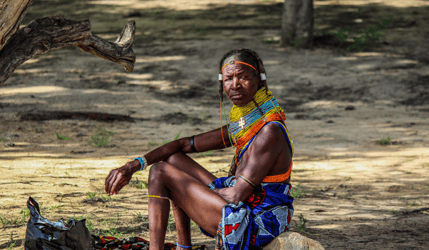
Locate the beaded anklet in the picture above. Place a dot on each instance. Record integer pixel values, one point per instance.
(177, 244)
(157, 196)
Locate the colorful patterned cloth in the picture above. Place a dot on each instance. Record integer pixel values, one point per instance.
(134, 243)
(255, 223)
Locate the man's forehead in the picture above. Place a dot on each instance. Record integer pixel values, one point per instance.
(236, 68)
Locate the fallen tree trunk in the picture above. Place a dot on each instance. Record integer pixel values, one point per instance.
(55, 32)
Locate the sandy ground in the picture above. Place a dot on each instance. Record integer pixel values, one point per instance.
(353, 192)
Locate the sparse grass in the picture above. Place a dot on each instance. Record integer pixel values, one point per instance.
(204, 116)
(385, 141)
(302, 226)
(138, 217)
(194, 225)
(204, 154)
(39, 130)
(91, 195)
(298, 191)
(12, 245)
(361, 38)
(89, 224)
(23, 126)
(59, 207)
(175, 138)
(102, 138)
(269, 40)
(414, 204)
(113, 232)
(62, 137)
(18, 220)
(138, 184)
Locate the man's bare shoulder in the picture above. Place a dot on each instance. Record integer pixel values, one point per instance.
(271, 135)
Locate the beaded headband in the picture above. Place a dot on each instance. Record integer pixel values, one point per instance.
(232, 62)
(263, 75)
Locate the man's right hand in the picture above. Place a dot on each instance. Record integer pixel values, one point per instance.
(118, 178)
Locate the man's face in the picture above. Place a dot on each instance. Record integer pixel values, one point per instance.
(240, 83)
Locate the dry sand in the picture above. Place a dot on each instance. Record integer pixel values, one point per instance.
(353, 192)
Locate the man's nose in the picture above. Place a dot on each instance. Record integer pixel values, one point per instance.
(235, 83)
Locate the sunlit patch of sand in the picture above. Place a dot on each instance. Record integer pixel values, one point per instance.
(393, 3)
(146, 59)
(31, 90)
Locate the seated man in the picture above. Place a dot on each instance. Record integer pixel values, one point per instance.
(251, 206)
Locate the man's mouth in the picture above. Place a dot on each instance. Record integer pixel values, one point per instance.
(235, 96)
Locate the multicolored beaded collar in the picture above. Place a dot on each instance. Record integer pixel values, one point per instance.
(246, 121)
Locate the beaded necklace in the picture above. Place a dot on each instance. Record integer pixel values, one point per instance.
(246, 121)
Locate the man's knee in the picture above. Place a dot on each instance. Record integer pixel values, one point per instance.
(160, 170)
(157, 170)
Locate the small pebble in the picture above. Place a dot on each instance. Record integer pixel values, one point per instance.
(350, 107)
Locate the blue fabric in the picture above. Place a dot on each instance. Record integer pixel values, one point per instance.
(256, 222)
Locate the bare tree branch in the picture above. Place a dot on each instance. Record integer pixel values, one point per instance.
(12, 13)
(55, 32)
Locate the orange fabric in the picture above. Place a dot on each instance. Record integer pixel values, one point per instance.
(279, 177)
(239, 62)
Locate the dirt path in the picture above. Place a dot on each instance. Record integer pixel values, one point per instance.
(353, 192)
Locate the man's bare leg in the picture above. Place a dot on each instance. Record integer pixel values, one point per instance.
(159, 211)
(183, 226)
(189, 166)
(193, 197)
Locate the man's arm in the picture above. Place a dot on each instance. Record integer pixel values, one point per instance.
(261, 156)
(203, 142)
(120, 177)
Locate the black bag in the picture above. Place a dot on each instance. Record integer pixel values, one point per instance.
(46, 235)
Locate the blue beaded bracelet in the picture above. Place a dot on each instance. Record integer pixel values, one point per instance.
(143, 162)
(177, 244)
